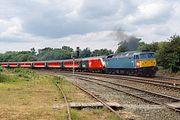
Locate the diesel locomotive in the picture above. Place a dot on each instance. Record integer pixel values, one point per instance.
(129, 63)
(132, 63)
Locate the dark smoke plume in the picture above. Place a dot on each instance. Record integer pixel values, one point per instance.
(131, 42)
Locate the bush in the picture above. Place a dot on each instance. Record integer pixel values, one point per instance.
(25, 73)
(168, 55)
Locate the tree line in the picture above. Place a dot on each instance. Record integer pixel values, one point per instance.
(48, 53)
(167, 52)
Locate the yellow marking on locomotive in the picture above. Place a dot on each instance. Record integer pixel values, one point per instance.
(147, 63)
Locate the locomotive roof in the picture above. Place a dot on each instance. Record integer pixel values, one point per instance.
(130, 54)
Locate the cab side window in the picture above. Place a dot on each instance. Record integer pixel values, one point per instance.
(136, 57)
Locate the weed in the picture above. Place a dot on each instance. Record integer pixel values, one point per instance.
(24, 73)
(74, 115)
(1, 69)
(8, 78)
(113, 117)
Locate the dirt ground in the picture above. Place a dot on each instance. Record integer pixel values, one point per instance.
(167, 73)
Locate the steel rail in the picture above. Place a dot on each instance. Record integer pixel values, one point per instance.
(65, 100)
(168, 78)
(136, 79)
(169, 82)
(135, 88)
(148, 82)
(174, 99)
(98, 99)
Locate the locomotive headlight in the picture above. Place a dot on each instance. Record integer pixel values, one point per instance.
(138, 64)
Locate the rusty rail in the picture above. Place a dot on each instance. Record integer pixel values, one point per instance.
(65, 100)
(98, 99)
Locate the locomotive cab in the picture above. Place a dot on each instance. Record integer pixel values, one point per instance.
(145, 63)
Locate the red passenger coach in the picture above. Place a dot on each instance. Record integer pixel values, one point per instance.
(13, 65)
(25, 64)
(4, 64)
(96, 63)
(69, 63)
(54, 64)
(39, 64)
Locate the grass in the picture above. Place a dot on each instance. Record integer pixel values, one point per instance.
(29, 95)
(73, 93)
(32, 97)
(15, 75)
(93, 114)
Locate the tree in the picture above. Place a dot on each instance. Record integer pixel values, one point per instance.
(101, 52)
(85, 53)
(55, 54)
(168, 55)
(67, 48)
(152, 47)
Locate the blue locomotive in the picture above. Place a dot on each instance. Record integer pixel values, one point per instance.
(132, 63)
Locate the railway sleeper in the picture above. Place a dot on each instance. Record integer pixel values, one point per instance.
(79, 106)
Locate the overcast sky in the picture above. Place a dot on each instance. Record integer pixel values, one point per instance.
(25, 24)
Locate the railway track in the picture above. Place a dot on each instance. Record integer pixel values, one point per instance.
(168, 78)
(65, 98)
(98, 99)
(86, 91)
(148, 96)
(171, 84)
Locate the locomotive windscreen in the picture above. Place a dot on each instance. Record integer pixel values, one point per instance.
(147, 55)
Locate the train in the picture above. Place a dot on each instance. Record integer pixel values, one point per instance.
(138, 63)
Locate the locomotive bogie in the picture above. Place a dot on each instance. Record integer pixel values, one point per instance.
(147, 71)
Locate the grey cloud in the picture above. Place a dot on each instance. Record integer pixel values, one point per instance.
(162, 18)
(51, 19)
(94, 9)
(152, 13)
(127, 7)
(54, 26)
(11, 39)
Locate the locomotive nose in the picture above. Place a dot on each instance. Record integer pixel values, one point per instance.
(147, 63)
